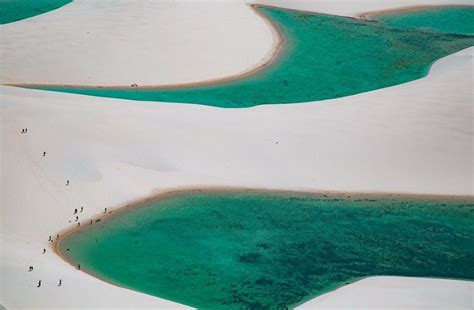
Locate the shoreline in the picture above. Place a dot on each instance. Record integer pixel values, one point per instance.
(271, 57)
(159, 195)
(407, 9)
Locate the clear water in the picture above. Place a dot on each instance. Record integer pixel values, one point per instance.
(327, 57)
(236, 250)
(14, 10)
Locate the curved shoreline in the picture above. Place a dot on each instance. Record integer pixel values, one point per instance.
(271, 57)
(136, 203)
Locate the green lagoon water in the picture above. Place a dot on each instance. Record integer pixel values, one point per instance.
(328, 57)
(241, 250)
(15, 10)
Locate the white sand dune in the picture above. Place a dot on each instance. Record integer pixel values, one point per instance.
(398, 293)
(122, 42)
(412, 138)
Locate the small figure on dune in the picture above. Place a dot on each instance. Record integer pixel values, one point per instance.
(44, 251)
(60, 282)
(23, 130)
(57, 236)
(79, 266)
(50, 239)
(39, 283)
(90, 223)
(82, 209)
(75, 211)
(44, 154)
(30, 269)
(26, 130)
(78, 224)
(77, 218)
(67, 183)
(105, 210)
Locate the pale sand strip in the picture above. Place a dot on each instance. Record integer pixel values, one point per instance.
(406, 9)
(412, 138)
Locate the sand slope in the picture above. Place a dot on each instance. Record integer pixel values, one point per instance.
(412, 138)
(398, 293)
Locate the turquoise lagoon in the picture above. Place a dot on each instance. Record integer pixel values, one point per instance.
(15, 10)
(251, 250)
(328, 57)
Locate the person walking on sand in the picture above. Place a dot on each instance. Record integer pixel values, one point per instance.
(78, 266)
(67, 183)
(78, 224)
(105, 210)
(44, 251)
(82, 209)
(75, 211)
(30, 269)
(77, 218)
(39, 283)
(50, 239)
(23, 130)
(26, 130)
(60, 282)
(44, 154)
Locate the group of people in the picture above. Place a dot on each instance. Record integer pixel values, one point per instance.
(50, 239)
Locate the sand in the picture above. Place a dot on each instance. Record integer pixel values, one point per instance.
(401, 293)
(93, 43)
(414, 138)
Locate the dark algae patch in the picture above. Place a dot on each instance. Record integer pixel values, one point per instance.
(325, 57)
(15, 10)
(250, 250)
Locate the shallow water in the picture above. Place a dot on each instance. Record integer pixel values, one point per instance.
(238, 250)
(15, 10)
(326, 57)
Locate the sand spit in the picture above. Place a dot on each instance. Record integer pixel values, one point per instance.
(175, 43)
